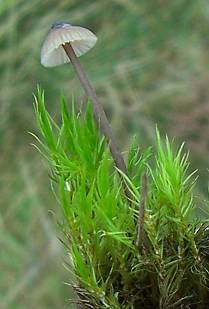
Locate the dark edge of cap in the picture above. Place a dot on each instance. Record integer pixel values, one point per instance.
(59, 24)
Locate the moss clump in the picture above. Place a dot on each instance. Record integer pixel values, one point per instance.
(114, 267)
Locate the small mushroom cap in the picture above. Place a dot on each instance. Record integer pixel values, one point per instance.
(52, 52)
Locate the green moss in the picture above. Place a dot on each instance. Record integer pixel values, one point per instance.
(169, 268)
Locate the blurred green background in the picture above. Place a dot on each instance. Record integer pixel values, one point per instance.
(149, 66)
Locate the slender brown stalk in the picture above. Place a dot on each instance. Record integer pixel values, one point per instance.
(99, 114)
(140, 225)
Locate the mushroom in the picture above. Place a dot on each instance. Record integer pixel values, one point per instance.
(65, 43)
(52, 52)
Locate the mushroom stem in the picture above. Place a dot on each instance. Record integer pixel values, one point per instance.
(99, 114)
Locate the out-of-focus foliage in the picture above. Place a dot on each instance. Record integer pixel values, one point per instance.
(150, 65)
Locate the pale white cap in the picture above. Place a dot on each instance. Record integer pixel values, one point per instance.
(52, 52)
